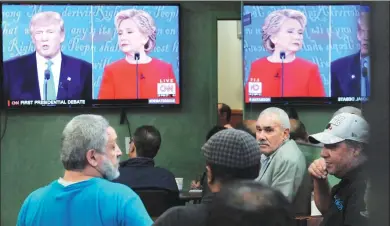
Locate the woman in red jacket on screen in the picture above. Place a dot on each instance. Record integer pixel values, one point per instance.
(283, 37)
(155, 78)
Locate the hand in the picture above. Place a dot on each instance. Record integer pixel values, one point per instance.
(318, 169)
(195, 184)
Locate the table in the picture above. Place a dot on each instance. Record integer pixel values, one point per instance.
(187, 196)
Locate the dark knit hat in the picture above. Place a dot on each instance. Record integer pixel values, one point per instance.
(232, 148)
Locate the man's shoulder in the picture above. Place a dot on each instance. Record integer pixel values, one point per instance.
(184, 215)
(341, 62)
(74, 60)
(19, 60)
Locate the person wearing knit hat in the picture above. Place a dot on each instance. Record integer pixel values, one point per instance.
(343, 156)
(230, 155)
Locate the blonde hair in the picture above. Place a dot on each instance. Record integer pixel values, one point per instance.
(275, 20)
(145, 24)
(47, 16)
(363, 20)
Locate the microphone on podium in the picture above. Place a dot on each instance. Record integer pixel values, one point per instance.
(282, 57)
(136, 58)
(47, 77)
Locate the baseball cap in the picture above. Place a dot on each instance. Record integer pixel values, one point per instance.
(232, 148)
(344, 126)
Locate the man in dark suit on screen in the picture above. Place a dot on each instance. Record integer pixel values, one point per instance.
(350, 75)
(47, 74)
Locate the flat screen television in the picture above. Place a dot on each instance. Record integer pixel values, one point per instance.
(306, 53)
(96, 55)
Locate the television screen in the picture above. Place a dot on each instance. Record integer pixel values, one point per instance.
(306, 53)
(90, 55)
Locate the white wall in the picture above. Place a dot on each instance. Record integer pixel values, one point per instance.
(230, 72)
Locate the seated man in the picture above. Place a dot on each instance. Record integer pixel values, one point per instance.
(251, 204)
(343, 156)
(139, 171)
(84, 196)
(230, 155)
(283, 165)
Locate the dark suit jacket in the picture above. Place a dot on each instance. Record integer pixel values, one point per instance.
(21, 79)
(139, 173)
(346, 76)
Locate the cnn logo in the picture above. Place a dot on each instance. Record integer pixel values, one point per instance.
(255, 88)
(165, 89)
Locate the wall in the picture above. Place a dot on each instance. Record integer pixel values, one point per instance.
(230, 72)
(30, 149)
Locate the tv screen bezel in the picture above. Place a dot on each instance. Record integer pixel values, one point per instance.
(94, 103)
(299, 101)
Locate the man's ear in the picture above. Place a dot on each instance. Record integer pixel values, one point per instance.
(209, 175)
(92, 157)
(286, 134)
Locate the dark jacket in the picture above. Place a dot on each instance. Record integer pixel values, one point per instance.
(141, 173)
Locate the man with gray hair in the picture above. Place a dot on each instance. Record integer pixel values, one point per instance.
(47, 74)
(283, 165)
(342, 156)
(84, 196)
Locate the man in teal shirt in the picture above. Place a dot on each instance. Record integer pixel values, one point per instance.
(84, 195)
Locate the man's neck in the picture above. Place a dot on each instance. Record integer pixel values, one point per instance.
(76, 176)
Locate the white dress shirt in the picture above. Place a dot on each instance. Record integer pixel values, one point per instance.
(55, 69)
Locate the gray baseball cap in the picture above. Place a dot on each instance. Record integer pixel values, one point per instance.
(344, 126)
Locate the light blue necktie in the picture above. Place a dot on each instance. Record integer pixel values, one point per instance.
(50, 92)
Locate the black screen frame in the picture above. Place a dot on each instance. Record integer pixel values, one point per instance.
(301, 101)
(95, 103)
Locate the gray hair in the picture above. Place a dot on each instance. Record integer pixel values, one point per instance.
(349, 109)
(82, 133)
(47, 17)
(363, 20)
(275, 20)
(281, 114)
(145, 23)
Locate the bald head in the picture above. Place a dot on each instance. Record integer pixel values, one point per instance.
(298, 131)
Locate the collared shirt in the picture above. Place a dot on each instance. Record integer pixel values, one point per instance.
(55, 69)
(348, 201)
(365, 80)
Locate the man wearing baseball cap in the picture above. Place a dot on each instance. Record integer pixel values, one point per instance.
(230, 155)
(342, 156)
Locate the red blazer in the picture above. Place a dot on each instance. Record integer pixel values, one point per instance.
(120, 81)
(301, 79)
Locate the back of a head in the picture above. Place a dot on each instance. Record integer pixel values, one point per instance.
(225, 110)
(82, 133)
(247, 126)
(147, 141)
(280, 114)
(214, 130)
(298, 131)
(247, 203)
(232, 154)
(349, 109)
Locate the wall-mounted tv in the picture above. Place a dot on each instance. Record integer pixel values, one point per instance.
(306, 53)
(69, 55)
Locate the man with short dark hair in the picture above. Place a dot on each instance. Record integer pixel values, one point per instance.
(84, 196)
(342, 156)
(298, 131)
(230, 155)
(139, 171)
(251, 204)
(224, 115)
